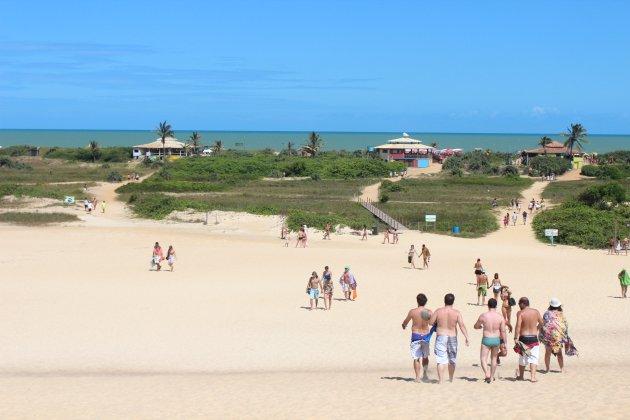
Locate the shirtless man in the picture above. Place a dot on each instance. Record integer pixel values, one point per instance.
(493, 326)
(482, 287)
(313, 287)
(447, 320)
(420, 336)
(386, 235)
(426, 256)
(528, 325)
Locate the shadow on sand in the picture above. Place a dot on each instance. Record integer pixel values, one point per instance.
(400, 378)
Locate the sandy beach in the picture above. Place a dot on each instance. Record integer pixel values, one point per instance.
(89, 331)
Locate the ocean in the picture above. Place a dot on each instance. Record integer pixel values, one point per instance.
(255, 140)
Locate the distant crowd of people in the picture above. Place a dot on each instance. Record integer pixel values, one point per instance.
(515, 204)
(616, 245)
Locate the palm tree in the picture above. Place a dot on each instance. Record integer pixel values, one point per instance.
(544, 141)
(576, 135)
(217, 148)
(94, 149)
(195, 142)
(313, 144)
(164, 130)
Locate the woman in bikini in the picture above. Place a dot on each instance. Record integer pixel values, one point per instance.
(327, 286)
(301, 238)
(496, 286)
(506, 307)
(170, 257)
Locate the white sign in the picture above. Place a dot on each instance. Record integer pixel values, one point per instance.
(69, 199)
(551, 232)
(430, 218)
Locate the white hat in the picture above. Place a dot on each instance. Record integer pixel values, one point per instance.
(555, 303)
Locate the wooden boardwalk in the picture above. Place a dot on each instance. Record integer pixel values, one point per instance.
(384, 217)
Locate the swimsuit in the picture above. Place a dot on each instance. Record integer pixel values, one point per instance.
(445, 349)
(313, 293)
(532, 344)
(491, 341)
(483, 289)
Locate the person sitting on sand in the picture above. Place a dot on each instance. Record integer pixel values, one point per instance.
(482, 287)
(411, 257)
(170, 257)
(327, 287)
(447, 320)
(312, 289)
(528, 325)
(554, 333)
(426, 256)
(157, 257)
(624, 280)
(421, 333)
(496, 286)
(327, 230)
(493, 326)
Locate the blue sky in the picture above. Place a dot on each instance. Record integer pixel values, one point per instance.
(449, 66)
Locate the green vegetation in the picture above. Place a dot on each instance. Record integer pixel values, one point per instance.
(457, 201)
(306, 201)
(93, 153)
(591, 211)
(38, 170)
(576, 137)
(606, 171)
(480, 162)
(36, 219)
(618, 156)
(56, 191)
(8, 163)
(544, 165)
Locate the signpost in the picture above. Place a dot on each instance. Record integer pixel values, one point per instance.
(551, 233)
(430, 218)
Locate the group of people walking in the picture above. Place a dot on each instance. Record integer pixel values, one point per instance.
(324, 286)
(158, 257)
(413, 253)
(530, 331)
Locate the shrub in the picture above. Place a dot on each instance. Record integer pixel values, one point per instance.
(618, 156)
(6, 162)
(509, 170)
(577, 224)
(547, 164)
(390, 186)
(384, 198)
(114, 176)
(600, 195)
(453, 163)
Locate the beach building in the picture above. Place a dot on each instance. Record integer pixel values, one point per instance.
(173, 146)
(554, 149)
(405, 149)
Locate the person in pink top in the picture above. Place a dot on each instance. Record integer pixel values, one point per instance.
(158, 256)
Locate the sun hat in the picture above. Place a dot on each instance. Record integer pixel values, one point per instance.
(555, 303)
(346, 268)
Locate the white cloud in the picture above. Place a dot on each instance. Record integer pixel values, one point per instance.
(541, 111)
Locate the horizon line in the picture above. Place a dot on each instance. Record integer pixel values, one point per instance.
(307, 131)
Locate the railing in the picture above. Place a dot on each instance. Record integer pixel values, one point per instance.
(386, 218)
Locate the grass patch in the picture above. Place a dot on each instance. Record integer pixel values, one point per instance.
(38, 170)
(36, 219)
(457, 201)
(562, 191)
(55, 191)
(309, 202)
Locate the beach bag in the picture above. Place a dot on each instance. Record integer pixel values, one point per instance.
(354, 293)
(570, 349)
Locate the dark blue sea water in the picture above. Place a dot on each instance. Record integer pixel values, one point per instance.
(252, 140)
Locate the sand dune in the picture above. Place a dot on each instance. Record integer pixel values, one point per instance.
(89, 331)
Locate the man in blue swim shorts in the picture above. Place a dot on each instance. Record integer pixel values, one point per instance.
(420, 336)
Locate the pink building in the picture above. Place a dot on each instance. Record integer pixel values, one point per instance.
(404, 149)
